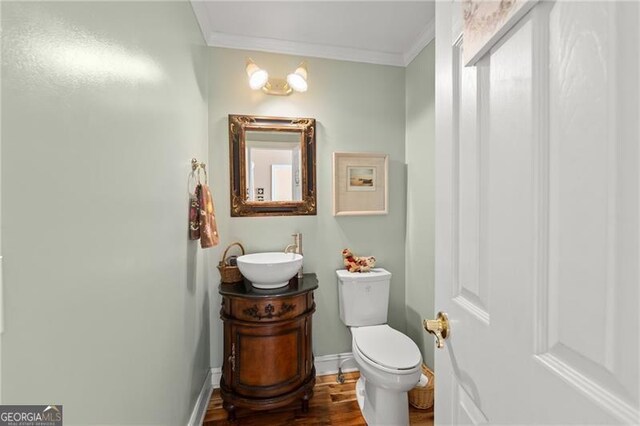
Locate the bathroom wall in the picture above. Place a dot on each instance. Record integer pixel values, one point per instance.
(358, 107)
(1, 285)
(420, 233)
(106, 302)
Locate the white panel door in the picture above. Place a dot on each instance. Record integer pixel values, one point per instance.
(281, 182)
(537, 218)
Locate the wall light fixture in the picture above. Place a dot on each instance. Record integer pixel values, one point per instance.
(259, 79)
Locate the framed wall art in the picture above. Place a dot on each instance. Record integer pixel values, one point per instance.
(485, 22)
(360, 183)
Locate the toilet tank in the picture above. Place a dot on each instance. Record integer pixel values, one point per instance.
(363, 297)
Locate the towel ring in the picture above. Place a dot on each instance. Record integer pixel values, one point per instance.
(196, 167)
(192, 179)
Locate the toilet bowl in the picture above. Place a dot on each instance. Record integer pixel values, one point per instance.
(389, 364)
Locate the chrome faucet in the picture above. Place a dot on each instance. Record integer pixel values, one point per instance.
(296, 247)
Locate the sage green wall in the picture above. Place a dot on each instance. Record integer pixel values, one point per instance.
(1, 274)
(107, 303)
(358, 107)
(419, 154)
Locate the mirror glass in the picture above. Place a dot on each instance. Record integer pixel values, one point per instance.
(273, 166)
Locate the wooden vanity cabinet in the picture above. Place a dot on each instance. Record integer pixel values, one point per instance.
(268, 356)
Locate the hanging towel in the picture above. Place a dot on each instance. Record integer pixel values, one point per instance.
(194, 217)
(208, 227)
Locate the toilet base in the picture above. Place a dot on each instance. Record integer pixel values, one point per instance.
(382, 407)
(360, 393)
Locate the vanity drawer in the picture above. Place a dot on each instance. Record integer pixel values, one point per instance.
(267, 310)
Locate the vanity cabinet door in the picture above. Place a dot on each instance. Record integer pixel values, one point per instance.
(268, 360)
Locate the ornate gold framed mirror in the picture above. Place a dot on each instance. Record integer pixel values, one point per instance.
(272, 165)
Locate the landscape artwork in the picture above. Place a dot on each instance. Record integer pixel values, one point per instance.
(361, 178)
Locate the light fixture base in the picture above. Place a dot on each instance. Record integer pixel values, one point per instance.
(277, 87)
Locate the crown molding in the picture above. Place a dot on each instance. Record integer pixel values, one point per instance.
(288, 47)
(421, 42)
(304, 49)
(202, 17)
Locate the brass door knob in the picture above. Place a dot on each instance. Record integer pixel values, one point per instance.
(439, 327)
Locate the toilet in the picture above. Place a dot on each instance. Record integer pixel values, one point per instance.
(388, 360)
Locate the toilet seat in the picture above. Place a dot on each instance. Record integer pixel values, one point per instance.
(387, 349)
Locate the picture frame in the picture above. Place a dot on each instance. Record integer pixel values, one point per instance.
(241, 203)
(360, 184)
(485, 22)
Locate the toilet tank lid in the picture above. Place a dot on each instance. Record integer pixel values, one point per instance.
(376, 274)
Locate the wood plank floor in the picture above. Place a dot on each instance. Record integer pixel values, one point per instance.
(332, 404)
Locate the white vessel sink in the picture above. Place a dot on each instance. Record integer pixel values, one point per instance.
(269, 270)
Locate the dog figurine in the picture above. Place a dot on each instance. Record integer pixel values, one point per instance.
(356, 263)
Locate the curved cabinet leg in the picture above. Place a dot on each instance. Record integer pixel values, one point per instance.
(231, 411)
(305, 400)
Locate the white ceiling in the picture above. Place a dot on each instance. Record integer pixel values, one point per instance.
(380, 32)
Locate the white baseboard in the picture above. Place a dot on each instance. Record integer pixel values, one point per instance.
(329, 364)
(325, 364)
(200, 407)
(216, 374)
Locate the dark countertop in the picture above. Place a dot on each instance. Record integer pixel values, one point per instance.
(244, 289)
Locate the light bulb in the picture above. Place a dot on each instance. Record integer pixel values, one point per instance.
(257, 76)
(297, 83)
(258, 79)
(298, 79)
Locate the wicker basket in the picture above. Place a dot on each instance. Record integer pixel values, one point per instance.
(422, 398)
(229, 274)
